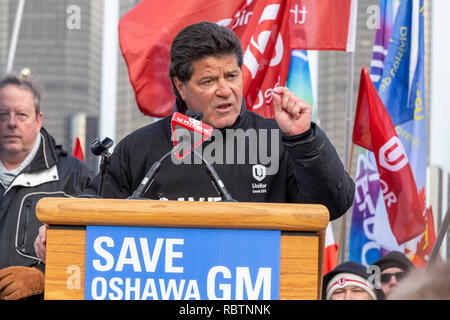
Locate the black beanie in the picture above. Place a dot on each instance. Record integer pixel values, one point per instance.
(395, 259)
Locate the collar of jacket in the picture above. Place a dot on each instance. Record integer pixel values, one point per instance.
(43, 167)
(47, 154)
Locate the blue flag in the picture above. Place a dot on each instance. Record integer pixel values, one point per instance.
(403, 67)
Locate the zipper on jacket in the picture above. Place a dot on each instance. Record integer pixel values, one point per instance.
(26, 201)
(27, 210)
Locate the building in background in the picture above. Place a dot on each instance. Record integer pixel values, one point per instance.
(129, 117)
(64, 59)
(61, 43)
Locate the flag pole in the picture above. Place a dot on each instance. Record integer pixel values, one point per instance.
(437, 245)
(108, 98)
(348, 145)
(341, 253)
(15, 36)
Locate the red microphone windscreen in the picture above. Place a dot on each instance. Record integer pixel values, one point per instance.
(201, 131)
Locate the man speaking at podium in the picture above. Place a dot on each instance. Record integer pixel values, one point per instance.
(256, 162)
(205, 71)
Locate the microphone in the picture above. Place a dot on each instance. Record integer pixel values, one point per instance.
(201, 131)
(189, 125)
(185, 121)
(215, 179)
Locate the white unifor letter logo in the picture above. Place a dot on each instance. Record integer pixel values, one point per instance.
(259, 172)
(392, 155)
(260, 41)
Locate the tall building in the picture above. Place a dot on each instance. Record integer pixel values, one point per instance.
(60, 42)
(332, 80)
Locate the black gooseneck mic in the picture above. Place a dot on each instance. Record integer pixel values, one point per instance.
(100, 148)
(151, 174)
(215, 179)
(217, 182)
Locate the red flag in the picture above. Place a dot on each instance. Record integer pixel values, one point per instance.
(145, 34)
(268, 29)
(77, 150)
(265, 41)
(374, 130)
(331, 249)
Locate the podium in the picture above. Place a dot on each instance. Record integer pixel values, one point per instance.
(302, 240)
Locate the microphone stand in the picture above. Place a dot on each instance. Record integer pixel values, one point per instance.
(150, 176)
(215, 179)
(100, 148)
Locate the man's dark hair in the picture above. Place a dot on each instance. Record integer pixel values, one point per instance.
(25, 84)
(197, 41)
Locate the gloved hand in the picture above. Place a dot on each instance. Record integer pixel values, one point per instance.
(19, 282)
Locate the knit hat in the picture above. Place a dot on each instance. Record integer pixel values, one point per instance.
(342, 280)
(349, 273)
(395, 259)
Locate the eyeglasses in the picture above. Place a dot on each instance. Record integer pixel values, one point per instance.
(386, 277)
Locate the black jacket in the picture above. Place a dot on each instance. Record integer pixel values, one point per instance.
(309, 169)
(52, 173)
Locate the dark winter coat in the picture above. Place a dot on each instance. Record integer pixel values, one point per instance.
(309, 169)
(52, 173)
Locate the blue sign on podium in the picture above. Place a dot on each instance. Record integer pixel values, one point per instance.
(135, 263)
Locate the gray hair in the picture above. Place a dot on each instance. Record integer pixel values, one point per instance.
(25, 84)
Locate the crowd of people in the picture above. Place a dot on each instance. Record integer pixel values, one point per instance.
(205, 72)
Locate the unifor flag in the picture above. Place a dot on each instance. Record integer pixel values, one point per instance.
(268, 30)
(373, 129)
(370, 235)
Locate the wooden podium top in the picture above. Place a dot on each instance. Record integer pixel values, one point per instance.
(183, 214)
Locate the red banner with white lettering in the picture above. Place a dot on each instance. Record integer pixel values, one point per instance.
(374, 130)
(268, 29)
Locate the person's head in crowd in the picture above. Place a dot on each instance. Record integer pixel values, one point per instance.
(349, 281)
(20, 119)
(424, 284)
(394, 266)
(205, 71)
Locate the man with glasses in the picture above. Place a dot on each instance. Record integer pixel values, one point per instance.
(393, 267)
(32, 166)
